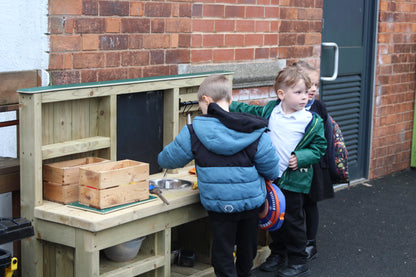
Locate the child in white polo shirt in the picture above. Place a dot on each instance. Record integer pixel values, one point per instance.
(298, 136)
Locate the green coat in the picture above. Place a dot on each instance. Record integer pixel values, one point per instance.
(309, 150)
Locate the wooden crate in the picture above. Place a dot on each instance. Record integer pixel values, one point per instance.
(67, 172)
(112, 174)
(114, 196)
(61, 179)
(59, 193)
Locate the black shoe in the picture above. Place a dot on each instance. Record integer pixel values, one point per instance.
(311, 250)
(301, 270)
(273, 263)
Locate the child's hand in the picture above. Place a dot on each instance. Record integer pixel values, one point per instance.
(293, 162)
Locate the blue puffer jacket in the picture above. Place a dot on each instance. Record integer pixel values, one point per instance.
(232, 188)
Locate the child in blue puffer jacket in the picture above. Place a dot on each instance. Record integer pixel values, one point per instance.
(233, 157)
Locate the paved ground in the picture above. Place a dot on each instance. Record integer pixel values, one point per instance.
(368, 230)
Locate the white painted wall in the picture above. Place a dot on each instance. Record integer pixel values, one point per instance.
(24, 46)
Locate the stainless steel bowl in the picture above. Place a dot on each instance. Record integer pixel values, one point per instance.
(170, 183)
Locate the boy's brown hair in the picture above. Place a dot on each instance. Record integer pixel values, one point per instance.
(305, 66)
(217, 87)
(289, 77)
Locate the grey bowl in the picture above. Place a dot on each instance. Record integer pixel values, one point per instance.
(170, 183)
(125, 251)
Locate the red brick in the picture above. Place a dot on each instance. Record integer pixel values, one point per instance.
(203, 25)
(213, 10)
(158, 25)
(90, 42)
(185, 10)
(253, 39)
(214, 40)
(272, 12)
(68, 60)
(262, 26)
(201, 55)
(177, 56)
(89, 25)
(244, 54)
(175, 9)
(270, 39)
(59, 43)
(112, 25)
(302, 3)
(234, 11)
(90, 7)
(135, 41)
(274, 26)
(173, 69)
(65, 77)
(184, 40)
(234, 40)
(134, 72)
(246, 1)
(56, 25)
(56, 61)
(178, 25)
(88, 60)
(222, 55)
(112, 59)
(255, 12)
(245, 25)
(174, 41)
(262, 53)
(197, 10)
(155, 41)
(135, 58)
(157, 57)
(112, 74)
(224, 25)
(313, 39)
(88, 76)
(114, 42)
(196, 40)
(288, 13)
(310, 14)
(110, 8)
(65, 7)
(136, 8)
(69, 25)
(150, 71)
(133, 25)
(157, 9)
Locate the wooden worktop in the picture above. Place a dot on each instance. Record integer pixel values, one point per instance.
(94, 222)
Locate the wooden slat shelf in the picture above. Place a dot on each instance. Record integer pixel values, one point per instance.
(139, 265)
(74, 147)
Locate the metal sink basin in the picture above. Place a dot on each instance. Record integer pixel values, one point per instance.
(170, 183)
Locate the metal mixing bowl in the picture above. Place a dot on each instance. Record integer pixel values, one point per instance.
(170, 183)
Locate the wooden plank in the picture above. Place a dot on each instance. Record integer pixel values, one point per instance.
(137, 266)
(11, 81)
(59, 193)
(87, 263)
(170, 115)
(9, 182)
(67, 172)
(64, 261)
(110, 197)
(31, 179)
(9, 165)
(56, 233)
(75, 146)
(47, 124)
(80, 119)
(111, 174)
(62, 122)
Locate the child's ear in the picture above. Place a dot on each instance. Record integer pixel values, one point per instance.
(281, 94)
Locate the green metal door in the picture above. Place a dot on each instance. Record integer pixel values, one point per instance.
(351, 26)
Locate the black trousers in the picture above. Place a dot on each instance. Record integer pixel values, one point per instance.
(290, 239)
(234, 229)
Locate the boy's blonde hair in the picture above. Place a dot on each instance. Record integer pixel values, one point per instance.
(289, 77)
(305, 66)
(217, 87)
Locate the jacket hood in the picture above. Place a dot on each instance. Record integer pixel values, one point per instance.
(227, 133)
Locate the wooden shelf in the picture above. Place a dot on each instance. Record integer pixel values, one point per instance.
(139, 265)
(74, 147)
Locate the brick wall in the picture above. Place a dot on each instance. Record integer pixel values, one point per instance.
(394, 87)
(92, 40)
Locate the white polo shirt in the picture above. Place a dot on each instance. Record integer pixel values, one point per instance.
(286, 130)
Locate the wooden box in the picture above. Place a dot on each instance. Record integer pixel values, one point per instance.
(113, 174)
(67, 172)
(114, 196)
(61, 179)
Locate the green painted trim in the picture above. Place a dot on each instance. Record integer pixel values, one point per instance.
(119, 82)
(413, 152)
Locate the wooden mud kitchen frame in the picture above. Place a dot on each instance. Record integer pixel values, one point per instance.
(59, 123)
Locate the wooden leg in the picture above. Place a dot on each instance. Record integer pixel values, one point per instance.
(86, 263)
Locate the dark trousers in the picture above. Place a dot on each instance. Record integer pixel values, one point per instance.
(290, 239)
(234, 229)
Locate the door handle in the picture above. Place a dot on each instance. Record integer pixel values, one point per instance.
(336, 56)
